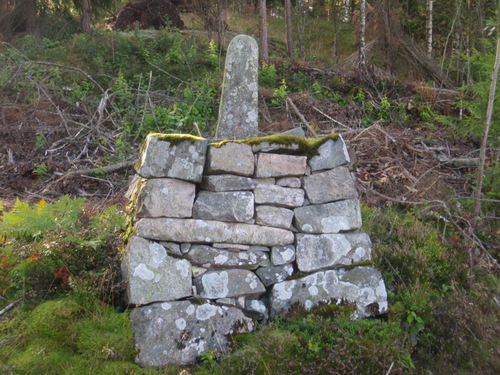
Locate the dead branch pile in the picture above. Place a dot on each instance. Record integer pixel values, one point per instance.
(149, 14)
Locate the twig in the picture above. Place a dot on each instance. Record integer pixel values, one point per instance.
(331, 118)
(168, 74)
(105, 169)
(301, 117)
(10, 306)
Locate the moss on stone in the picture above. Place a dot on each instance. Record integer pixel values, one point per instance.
(175, 139)
(308, 147)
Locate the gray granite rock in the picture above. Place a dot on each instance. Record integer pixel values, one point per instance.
(332, 185)
(232, 206)
(331, 154)
(266, 146)
(238, 111)
(210, 257)
(329, 217)
(230, 158)
(227, 182)
(274, 216)
(292, 182)
(151, 275)
(176, 333)
(315, 252)
(296, 132)
(257, 308)
(165, 197)
(279, 196)
(270, 274)
(228, 283)
(278, 165)
(182, 159)
(362, 286)
(282, 255)
(209, 231)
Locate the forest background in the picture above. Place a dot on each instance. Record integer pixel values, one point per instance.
(411, 86)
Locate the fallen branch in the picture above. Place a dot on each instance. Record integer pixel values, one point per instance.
(10, 306)
(302, 118)
(105, 169)
(331, 118)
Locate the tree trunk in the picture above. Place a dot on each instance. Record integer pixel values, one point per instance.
(289, 30)
(362, 70)
(264, 49)
(30, 11)
(486, 130)
(86, 16)
(428, 27)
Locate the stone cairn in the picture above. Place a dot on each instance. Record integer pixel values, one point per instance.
(231, 233)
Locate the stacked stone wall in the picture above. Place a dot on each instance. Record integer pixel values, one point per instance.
(233, 232)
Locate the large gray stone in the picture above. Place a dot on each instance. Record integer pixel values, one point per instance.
(232, 206)
(270, 274)
(238, 111)
(232, 158)
(165, 197)
(176, 333)
(151, 275)
(332, 185)
(315, 252)
(329, 217)
(331, 154)
(362, 286)
(183, 158)
(227, 182)
(278, 165)
(209, 231)
(292, 182)
(210, 257)
(279, 196)
(228, 283)
(274, 216)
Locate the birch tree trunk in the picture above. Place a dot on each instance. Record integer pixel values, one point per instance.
(362, 41)
(428, 27)
(289, 30)
(486, 130)
(264, 49)
(86, 16)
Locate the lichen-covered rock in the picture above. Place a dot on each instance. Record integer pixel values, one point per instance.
(329, 217)
(238, 111)
(331, 154)
(279, 196)
(228, 283)
(257, 308)
(182, 158)
(210, 257)
(282, 255)
(278, 165)
(315, 252)
(151, 275)
(362, 286)
(274, 216)
(176, 333)
(209, 231)
(230, 158)
(270, 274)
(166, 197)
(227, 182)
(332, 185)
(231, 206)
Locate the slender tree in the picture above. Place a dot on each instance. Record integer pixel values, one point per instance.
(264, 49)
(362, 70)
(289, 30)
(428, 27)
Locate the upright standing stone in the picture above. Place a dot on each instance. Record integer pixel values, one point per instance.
(238, 110)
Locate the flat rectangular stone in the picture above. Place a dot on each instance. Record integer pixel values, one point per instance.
(228, 283)
(277, 165)
(232, 158)
(329, 186)
(232, 206)
(270, 274)
(208, 231)
(165, 197)
(227, 182)
(292, 182)
(329, 217)
(211, 257)
(331, 154)
(173, 155)
(279, 196)
(274, 216)
(282, 255)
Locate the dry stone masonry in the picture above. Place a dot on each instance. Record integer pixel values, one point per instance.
(231, 233)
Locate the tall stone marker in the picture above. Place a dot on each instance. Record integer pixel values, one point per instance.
(238, 109)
